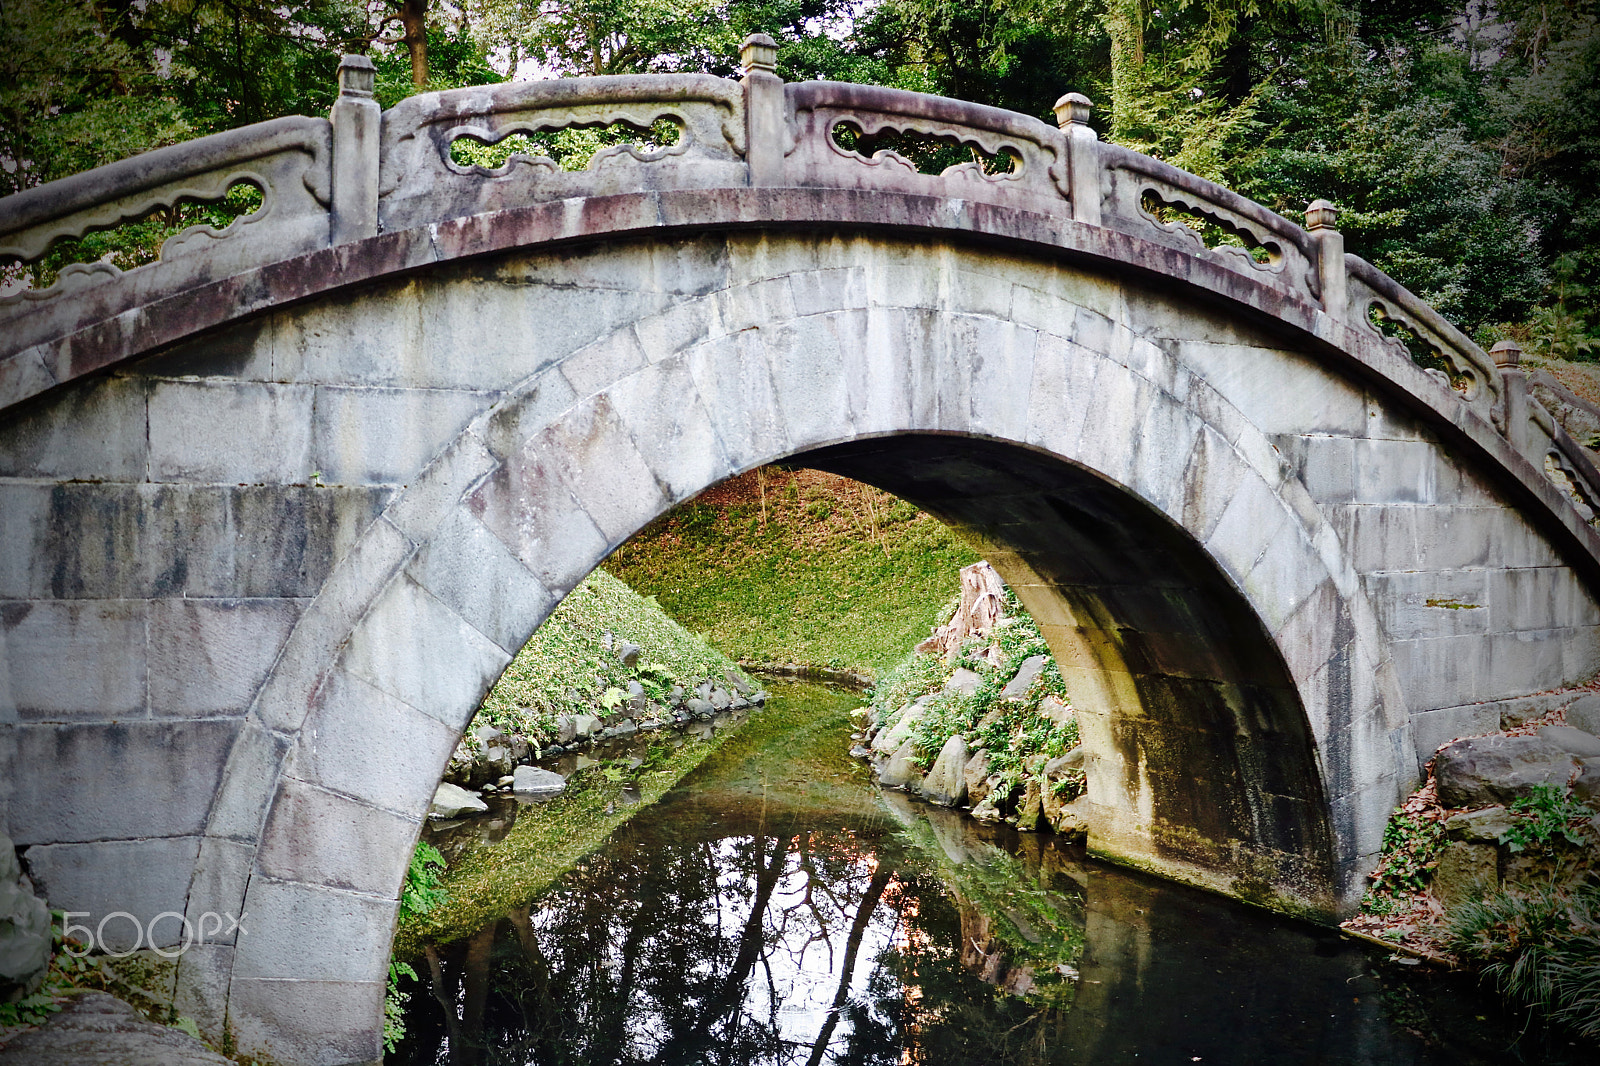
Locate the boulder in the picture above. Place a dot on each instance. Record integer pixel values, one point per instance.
(1465, 870)
(1584, 713)
(889, 740)
(986, 811)
(737, 683)
(1573, 740)
(720, 699)
(1072, 760)
(628, 654)
(1053, 708)
(963, 682)
(899, 771)
(1030, 811)
(533, 781)
(24, 929)
(1480, 827)
(700, 708)
(1050, 802)
(946, 783)
(1587, 787)
(1017, 688)
(585, 726)
(1483, 771)
(976, 774)
(1072, 821)
(452, 801)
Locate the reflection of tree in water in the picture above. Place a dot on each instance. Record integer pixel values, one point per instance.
(779, 945)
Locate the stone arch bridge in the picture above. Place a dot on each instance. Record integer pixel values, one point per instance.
(276, 510)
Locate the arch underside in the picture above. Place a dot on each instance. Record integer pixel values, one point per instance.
(1198, 513)
(1203, 765)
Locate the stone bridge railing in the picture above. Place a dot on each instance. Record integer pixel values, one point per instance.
(362, 172)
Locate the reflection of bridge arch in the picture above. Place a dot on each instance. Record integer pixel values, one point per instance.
(288, 500)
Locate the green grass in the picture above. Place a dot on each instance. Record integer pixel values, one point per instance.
(547, 840)
(799, 566)
(566, 667)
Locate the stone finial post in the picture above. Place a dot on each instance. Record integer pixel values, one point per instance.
(1507, 356)
(1083, 156)
(763, 109)
(356, 118)
(1320, 218)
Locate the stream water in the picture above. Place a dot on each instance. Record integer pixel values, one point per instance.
(776, 908)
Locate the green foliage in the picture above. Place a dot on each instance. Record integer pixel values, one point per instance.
(571, 149)
(566, 665)
(1411, 846)
(1558, 330)
(1012, 731)
(1548, 812)
(422, 892)
(455, 60)
(1540, 945)
(68, 972)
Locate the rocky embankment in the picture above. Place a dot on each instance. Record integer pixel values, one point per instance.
(1487, 787)
(606, 666)
(977, 718)
(1512, 812)
(489, 760)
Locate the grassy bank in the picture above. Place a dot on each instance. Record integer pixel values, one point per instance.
(570, 664)
(799, 566)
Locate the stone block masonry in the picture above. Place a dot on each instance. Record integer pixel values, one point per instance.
(308, 484)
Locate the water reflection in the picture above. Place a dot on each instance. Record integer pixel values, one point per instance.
(745, 921)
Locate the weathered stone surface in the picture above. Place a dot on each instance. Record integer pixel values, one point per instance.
(24, 929)
(1569, 739)
(1482, 771)
(1072, 820)
(452, 801)
(1584, 713)
(889, 740)
(963, 682)
(976, 776)
(899, 771)
(946, 783)
(1030, 811)
(1072, 760)
(1479, 827)
(320, 837)
(530, 780)
(987, 811)
(1053, 708)
(96, 1029)
(1024, 678)
(1587, 786)
(1465, 870)
(1303, 457)
(143, 878)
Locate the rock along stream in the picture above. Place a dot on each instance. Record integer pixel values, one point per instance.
(777, 908)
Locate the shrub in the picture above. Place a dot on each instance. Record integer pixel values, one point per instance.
(1547, 813)
(1411, 846)
(1540, 945)
(419, 895)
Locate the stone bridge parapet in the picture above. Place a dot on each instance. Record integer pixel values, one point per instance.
(277, 509)
(362, 173)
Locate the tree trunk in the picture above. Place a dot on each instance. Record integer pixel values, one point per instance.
(982, 605)
(414, 19)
